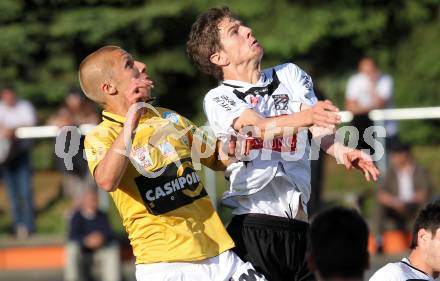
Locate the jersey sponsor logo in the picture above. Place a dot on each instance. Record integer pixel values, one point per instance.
(176, 187)
(279, 144)
(224, 101)
(141, 157)
(280, 101)
(171, 116)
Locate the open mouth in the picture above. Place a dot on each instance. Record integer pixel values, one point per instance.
(255, 42)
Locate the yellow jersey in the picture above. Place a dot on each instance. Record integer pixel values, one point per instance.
(164, 207)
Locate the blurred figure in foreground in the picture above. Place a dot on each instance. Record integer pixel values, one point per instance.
(75, 111)
(91, 239)
(423, 262)
(338, 245)
(404, 191)
(367, 90)
(15, 159)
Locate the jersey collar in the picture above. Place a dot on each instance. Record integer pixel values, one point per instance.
(113, 117)
(237, 84)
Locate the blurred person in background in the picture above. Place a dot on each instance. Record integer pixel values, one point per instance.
(74, 111)
(367, 90)
(405, 189)
(15, 158)
(423, 262)
(338, 245)
(91, 241)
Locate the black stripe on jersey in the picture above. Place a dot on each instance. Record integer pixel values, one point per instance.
(170, 190)
(415, 268)
(112, 120)
(232, 86)
(262, 91)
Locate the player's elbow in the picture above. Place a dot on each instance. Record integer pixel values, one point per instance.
(105, 183)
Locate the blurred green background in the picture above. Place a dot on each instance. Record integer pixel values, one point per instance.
(43, 41)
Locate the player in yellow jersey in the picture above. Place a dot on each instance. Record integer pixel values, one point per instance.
(142, 156)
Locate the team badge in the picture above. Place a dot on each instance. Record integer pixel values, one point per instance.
(281, 101)
(171, 116)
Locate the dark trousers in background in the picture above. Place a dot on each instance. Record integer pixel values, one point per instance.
(18, 179)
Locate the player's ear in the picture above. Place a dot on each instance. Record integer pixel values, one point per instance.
(108, 88)
(219, 58)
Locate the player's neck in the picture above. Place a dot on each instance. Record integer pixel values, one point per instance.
(247, 72)
(416, 259)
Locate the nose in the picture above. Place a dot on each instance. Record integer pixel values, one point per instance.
(140, 66)
(247, 31)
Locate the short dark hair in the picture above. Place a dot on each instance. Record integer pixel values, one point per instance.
(429, 219)
(204, 40)
(339, 243)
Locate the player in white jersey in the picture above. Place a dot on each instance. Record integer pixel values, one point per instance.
(268, 193)
(423, 263)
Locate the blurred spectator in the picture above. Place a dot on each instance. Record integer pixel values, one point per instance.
(15, 158)
(91, 240)
(405, 189)
(367, 90)
(338, 245)
(423, 262)
(75, 111)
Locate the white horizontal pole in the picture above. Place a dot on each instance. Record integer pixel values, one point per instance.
(405, 113)
(346, 116)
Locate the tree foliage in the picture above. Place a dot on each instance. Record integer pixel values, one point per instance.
(43, 41)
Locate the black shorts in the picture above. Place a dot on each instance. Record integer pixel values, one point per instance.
(275, 246)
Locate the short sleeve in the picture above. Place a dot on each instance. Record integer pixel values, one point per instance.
(385, 87)
(300, 83)
(389, 272)
(96, 145)
(222, 108)
(351, 89)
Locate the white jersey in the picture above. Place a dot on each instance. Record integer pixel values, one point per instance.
(359, 89)
(273, 182)
(400, 271)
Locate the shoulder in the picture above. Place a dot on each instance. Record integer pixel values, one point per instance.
(285, 68)
(221, 89)
(389, 272)
(76, 215)
(25, 104)
(173, 116)
(356, 78)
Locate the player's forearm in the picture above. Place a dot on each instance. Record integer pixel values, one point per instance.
(111, 168)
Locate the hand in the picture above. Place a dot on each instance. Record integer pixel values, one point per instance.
(325, 114)
(139, 90)
(94, 240)
(361, 161)
(242, 143)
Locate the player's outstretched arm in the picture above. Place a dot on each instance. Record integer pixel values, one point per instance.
(323, 114)
(350, 157)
